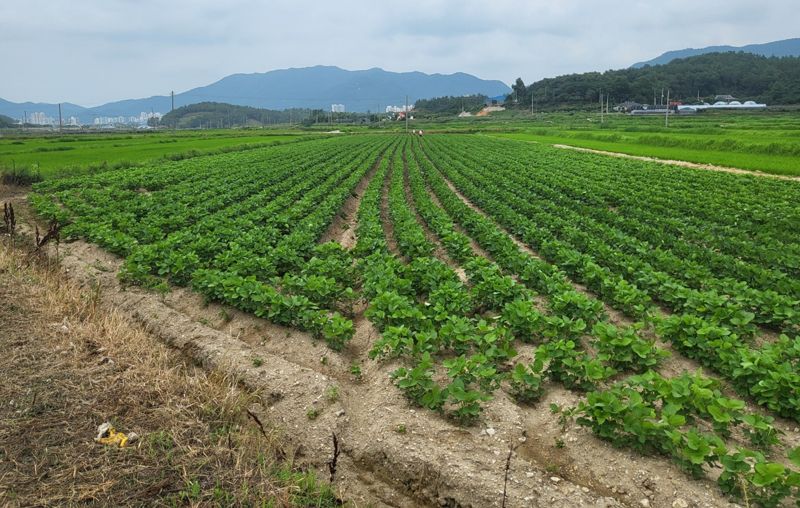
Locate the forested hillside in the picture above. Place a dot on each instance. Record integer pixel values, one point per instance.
(451, 105)
(6, 122)
(745, 76)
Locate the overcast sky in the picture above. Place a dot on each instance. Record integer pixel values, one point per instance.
(94, 51)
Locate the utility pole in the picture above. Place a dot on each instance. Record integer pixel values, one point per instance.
(60, 123)
(406, 114)
(601, 107)
(666, 115)
(24, 120)
(607, 110)
(531, 101)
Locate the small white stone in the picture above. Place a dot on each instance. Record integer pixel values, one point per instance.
(490, 431)
(680, 503)
(555, 479)
(529, 474)
(645, 502)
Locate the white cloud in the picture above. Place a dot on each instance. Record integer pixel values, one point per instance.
(94, 51)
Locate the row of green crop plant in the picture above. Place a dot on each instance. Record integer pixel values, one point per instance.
(145, 208)
(536, 273)
(701, 251)
(686, 418)
(696, 310)
(655, 415)
(428, 310)
(428, 317)
(611, 203)
(552, 237)
(258, 253)
(314, 277)
(311, 277)
(243, 237)
(515, 316)
(746, 217)
(621, 252)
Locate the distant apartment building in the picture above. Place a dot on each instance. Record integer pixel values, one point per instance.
(337, 108)
(40, 118)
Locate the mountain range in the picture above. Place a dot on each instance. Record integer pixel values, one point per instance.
(308, 87)
(787, 47)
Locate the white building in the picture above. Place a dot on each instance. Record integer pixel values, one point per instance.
(39, 118)
(723, 105)
(337, 108)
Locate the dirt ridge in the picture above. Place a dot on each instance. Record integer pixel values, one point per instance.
(342, 228)
(685, 164)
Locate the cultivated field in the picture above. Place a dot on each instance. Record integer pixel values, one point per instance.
(528, 325)
(61, 155)
(766, 142)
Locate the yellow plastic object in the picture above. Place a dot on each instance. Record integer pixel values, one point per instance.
(107, 435)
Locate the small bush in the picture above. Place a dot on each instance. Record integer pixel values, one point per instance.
(19, 176)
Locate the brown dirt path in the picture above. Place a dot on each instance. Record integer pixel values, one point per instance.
(386, 220)
(685, 164)
(343, 227)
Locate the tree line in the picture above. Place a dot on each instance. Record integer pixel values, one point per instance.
(450, 104)
(221, 115)
(745, 76)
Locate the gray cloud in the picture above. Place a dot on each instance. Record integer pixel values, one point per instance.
(94, 51)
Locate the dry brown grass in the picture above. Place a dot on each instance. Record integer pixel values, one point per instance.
(67, 364)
